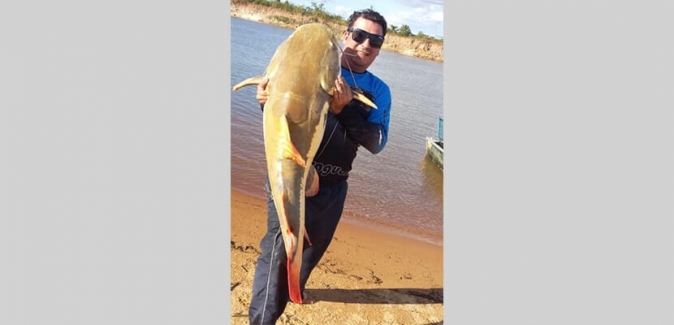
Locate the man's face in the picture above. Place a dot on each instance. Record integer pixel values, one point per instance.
(361, 55)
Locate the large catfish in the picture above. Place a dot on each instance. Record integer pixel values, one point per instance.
(301, 76)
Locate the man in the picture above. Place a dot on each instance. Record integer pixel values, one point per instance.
(350, 124)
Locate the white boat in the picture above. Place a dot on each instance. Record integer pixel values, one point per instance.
(435, 147)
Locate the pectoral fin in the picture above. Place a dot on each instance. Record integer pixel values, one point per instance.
(355, 95)
(289, 150)
(248, 82)
(360, 97)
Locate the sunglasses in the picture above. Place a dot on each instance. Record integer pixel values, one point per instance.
(359, 36)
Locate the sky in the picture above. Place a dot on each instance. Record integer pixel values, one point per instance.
(421, 15)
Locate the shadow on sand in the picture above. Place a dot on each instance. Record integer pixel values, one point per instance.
(378, 296)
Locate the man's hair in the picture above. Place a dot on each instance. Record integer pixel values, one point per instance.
(368, 14)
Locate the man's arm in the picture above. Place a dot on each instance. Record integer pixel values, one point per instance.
(372, 136)
(370, 130)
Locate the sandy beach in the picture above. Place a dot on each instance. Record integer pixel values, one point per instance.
(367, 276)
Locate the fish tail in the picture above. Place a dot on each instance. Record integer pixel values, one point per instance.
(294, 284)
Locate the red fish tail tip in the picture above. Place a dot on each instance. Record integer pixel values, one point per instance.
(294, 286)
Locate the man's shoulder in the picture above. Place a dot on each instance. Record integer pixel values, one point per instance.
(376, 78)
(378, 82)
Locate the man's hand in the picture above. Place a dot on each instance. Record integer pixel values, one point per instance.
(262, 94)
(341, 95)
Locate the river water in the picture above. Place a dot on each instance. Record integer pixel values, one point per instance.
(399, 189)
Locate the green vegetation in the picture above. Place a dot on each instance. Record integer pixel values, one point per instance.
(405, 31)
(316, 12)
(285, 20)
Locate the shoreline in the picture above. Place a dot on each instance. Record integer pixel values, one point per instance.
(367, 274)
(421, 49)
(353, 219)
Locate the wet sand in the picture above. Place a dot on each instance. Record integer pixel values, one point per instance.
(367, 276)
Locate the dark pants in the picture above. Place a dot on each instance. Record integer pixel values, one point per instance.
(270, 284)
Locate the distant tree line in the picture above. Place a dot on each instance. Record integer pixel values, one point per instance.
(405, 30)
(318, 11)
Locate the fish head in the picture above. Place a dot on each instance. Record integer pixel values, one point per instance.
(308, 58)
